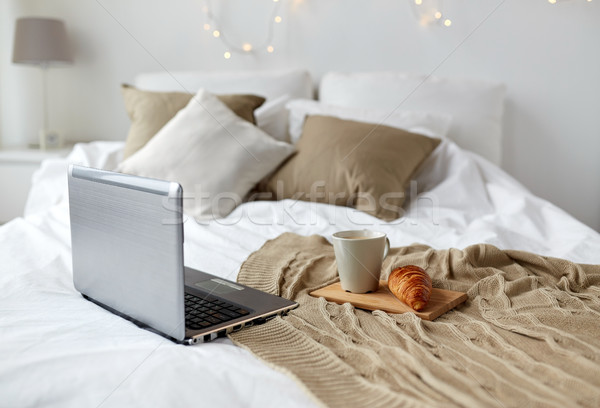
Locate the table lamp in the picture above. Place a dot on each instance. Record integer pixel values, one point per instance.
(42, 42)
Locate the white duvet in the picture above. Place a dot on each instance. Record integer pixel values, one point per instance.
(59, 350)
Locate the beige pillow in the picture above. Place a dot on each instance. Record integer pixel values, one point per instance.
(150, 111)
(350, 163)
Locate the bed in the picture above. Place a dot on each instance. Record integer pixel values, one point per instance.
(59, 350)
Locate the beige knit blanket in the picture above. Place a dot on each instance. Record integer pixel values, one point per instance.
(529, 335)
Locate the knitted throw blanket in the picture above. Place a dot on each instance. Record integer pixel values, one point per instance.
(529, 335)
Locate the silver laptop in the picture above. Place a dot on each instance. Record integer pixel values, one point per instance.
(127, 243)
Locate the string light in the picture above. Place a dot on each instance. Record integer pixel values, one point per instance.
(212, 23)
(429, 12)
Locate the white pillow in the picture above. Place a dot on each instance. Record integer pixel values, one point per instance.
(269, 84)
(216, 156)
(272, 117)
(425, 123)
(476, 106)
(272, 85)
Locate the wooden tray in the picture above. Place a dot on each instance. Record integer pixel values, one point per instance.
(440, 302)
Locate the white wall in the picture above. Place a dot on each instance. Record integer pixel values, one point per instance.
(547, 55)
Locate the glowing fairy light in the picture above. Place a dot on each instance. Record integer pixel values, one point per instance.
(429, 12)
(213, 26)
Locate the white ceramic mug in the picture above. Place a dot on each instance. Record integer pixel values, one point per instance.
(359, 255)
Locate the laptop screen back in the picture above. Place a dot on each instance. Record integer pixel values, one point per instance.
(127, 243)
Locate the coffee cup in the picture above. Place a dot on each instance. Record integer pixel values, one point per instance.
(359, 254)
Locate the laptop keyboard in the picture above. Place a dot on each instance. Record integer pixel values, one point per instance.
(206, 311)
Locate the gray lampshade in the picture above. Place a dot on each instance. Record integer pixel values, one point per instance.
(41, 41)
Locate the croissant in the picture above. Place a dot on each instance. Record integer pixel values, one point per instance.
(411, 285)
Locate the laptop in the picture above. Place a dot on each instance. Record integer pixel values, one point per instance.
(127, 244)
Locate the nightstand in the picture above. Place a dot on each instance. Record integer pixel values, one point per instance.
(17, 165)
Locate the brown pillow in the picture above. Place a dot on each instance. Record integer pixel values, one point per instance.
(343, 162)
(150, 111)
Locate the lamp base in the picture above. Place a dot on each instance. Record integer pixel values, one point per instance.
(49, 139)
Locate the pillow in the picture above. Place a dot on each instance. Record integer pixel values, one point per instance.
(350, 163)
(476, 106)
(270, 84)
(272, 117)
(425, 123)
(216, 156)
(150, 111)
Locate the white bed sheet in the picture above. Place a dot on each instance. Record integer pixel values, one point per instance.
(58, 349)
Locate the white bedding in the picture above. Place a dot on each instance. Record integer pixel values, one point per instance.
(57, 349)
